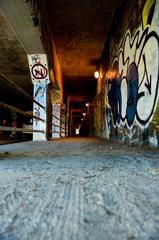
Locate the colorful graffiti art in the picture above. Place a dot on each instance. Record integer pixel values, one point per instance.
(137, 63)
(40, 97)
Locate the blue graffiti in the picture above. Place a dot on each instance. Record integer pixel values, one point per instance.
(138, 65)
(132, 84)
(115, 100)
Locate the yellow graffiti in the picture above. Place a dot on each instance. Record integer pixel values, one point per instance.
(145, 14)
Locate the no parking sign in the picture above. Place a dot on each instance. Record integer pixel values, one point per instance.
(38, 68)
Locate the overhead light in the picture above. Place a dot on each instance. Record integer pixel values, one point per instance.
(96, 74)
(84, 114)
(87, 104)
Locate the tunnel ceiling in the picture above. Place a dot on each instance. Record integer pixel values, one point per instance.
(14, 66)
(79, 28)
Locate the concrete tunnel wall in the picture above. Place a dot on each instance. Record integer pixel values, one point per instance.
(126, 106)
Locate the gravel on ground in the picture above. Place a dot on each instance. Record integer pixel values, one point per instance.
(78, 189)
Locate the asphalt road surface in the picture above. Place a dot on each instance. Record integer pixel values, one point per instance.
(78, 189)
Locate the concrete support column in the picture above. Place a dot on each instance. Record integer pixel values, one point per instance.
(40, 94)
(56, 109)
(40, 79)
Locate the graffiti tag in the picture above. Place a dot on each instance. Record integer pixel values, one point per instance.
(134, 93)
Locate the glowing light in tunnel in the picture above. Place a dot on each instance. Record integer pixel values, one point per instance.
(96, 74)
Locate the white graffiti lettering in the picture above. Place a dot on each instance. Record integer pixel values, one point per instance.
(136, 88)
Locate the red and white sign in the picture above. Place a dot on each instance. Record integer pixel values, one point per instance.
(38, 68)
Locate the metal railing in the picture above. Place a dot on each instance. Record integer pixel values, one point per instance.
(19, 111)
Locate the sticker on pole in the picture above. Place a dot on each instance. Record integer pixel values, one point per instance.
(38, 68)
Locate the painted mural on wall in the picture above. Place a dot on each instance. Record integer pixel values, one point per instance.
(134, 91)
(40, 97)
(56, 109)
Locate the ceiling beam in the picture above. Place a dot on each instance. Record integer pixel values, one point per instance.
(18, 14)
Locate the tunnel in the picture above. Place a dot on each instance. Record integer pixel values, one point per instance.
(79, 120)
(81, 68)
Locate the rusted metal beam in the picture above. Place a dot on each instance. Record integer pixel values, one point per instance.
(20, 90)
(13, 109)
(2, 128)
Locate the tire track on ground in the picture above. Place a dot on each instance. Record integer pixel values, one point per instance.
(56, 221)
(71, 227)
(54, 215)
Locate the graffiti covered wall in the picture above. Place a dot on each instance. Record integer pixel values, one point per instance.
(134, 88)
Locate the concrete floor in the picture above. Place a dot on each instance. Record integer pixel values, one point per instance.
(78, 189)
